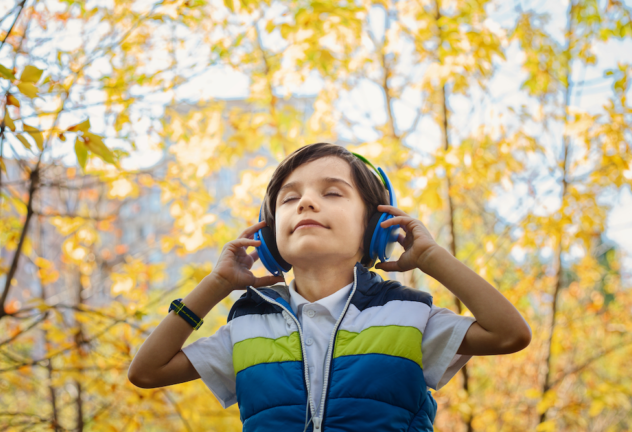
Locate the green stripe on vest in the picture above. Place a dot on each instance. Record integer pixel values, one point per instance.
(399, 341)
(250, 352)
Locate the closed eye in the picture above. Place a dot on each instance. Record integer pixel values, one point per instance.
(330, 193)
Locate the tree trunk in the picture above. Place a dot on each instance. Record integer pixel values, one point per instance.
(546, 386)
(33, 185)
(450, 215)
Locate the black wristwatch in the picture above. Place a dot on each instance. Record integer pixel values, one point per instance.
(186, 313)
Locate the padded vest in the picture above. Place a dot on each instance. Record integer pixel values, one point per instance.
(373, 378)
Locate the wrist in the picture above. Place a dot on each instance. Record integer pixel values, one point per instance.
(217, 284)
(424, 263)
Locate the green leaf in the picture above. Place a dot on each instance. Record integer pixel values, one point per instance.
(36, 134)
(31, 74)
(82, 153)
(6, 73)
(28, 89)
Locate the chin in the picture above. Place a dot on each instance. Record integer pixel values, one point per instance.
(308, 255)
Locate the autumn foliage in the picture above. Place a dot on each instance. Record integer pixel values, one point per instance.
(483, 113)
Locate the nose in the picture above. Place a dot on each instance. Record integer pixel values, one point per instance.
(307, 201)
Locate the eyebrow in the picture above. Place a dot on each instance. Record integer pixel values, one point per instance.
(322, 180)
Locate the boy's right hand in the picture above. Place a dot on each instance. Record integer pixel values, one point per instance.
(234, 263)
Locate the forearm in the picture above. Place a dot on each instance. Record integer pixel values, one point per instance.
(166, 341)
(492, 310)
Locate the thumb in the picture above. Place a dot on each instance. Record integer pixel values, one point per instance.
(267, 281)
(388, 266)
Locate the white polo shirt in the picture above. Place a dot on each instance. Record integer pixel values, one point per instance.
(317, 320)
(212, 356)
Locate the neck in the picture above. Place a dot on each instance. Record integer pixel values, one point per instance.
(315, 283)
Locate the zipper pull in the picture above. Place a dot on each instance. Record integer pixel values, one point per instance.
(317, 423)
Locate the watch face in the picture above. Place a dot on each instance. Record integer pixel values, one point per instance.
(172, 306)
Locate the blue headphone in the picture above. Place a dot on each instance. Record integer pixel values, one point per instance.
(378, 241)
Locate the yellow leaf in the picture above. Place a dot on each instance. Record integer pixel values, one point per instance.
(48, 276)
(43, 263)
(8, 121)
(121, 283)
(24, 142)
(547, 426)
(549, 399)
(95, 144)
(12, 100)
(6, 72)
(83, 126)
(67, 225)
(533, 393)
(83, 318)
(36, 134)
(596, 408)
(121, 188)
(81, 152)
(31, 74)
(27, 247)
(28, 89)
(38, 303)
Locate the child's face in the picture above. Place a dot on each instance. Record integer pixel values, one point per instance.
(336, 205)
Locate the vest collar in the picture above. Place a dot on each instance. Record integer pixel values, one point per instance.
(367, 283)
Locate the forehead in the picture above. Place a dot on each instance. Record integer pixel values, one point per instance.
(327, 166)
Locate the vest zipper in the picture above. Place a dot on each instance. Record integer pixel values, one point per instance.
(300, 333)
(317, 423)
(330, 353)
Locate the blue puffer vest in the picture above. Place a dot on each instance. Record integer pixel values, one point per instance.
(373, 378)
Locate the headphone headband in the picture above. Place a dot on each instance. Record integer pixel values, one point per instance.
(366, 161)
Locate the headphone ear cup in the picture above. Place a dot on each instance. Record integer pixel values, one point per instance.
(270, 241)
(368, 260)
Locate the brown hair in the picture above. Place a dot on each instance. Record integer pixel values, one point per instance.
(371, 189)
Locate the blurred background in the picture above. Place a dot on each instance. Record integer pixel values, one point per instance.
(138, 137)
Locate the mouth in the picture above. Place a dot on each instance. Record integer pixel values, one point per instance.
(309, 223)
(308, 226)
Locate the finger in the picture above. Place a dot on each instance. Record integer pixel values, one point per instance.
(391, 209)
(245, 242)
(251, 230)
(254, 255)
(400, 239)
(267, 281)
(388, 266)
(402, 221)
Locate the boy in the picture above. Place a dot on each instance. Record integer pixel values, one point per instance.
(340, 349)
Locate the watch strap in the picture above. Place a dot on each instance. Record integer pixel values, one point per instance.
(186, 313)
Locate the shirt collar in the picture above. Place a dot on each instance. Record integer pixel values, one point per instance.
(334, 303)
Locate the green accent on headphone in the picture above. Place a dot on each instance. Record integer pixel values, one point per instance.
(366, 161)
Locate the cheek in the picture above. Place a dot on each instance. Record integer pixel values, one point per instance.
(279, 224)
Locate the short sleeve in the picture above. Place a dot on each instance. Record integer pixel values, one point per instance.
(441, 340)
(212, 358)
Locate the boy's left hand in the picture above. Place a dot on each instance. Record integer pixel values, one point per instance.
(416, 243)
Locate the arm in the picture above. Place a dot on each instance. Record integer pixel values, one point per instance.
(160, 361)
(499, 327)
